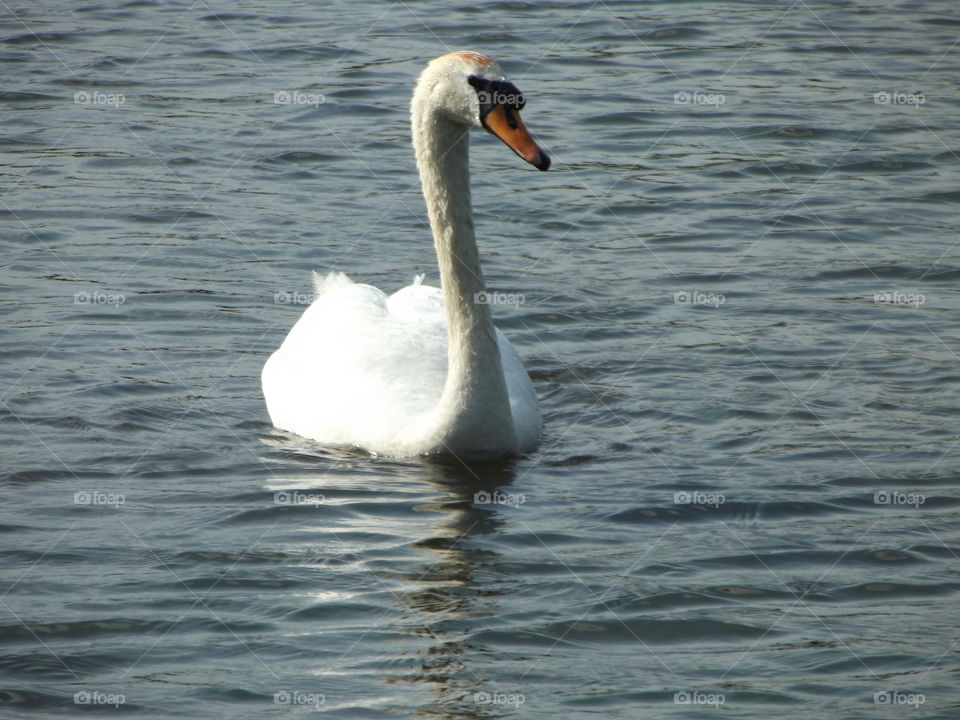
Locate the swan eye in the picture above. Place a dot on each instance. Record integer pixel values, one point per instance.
(491, 93)
(500, 105)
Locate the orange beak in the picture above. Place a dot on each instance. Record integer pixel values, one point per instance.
(504, 122)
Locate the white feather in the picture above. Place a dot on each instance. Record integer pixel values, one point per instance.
(383, 373)
(388, 369)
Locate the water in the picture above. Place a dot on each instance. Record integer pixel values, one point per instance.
(739, 311)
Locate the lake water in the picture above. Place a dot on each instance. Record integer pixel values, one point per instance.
(735, 291)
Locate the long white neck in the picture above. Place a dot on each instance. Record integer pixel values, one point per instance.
(473, 415)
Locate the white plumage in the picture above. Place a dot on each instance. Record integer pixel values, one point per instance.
(382, 373)
(387, 373)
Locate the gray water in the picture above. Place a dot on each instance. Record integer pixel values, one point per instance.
(735, 291)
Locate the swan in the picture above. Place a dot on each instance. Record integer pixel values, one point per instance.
(423, 371)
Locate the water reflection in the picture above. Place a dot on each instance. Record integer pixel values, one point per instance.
(444, 582)
(450, 597)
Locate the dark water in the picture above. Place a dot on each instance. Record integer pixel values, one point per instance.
(739, 310)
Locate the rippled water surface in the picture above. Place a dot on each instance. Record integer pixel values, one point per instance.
(736, 295)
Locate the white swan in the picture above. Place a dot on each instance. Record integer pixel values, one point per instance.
(422, 371)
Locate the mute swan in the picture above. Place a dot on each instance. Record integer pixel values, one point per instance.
(423, 371)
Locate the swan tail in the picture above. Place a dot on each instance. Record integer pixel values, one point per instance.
(325, 283)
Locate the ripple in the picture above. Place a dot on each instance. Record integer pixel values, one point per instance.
(797, 399)
(887, 590)
(302, 156)
(660, 632)
(891, 271)
(712, 505)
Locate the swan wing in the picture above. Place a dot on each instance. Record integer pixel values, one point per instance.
(361, 368)
(357, 367)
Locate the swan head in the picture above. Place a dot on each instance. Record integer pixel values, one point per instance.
(471, 89)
